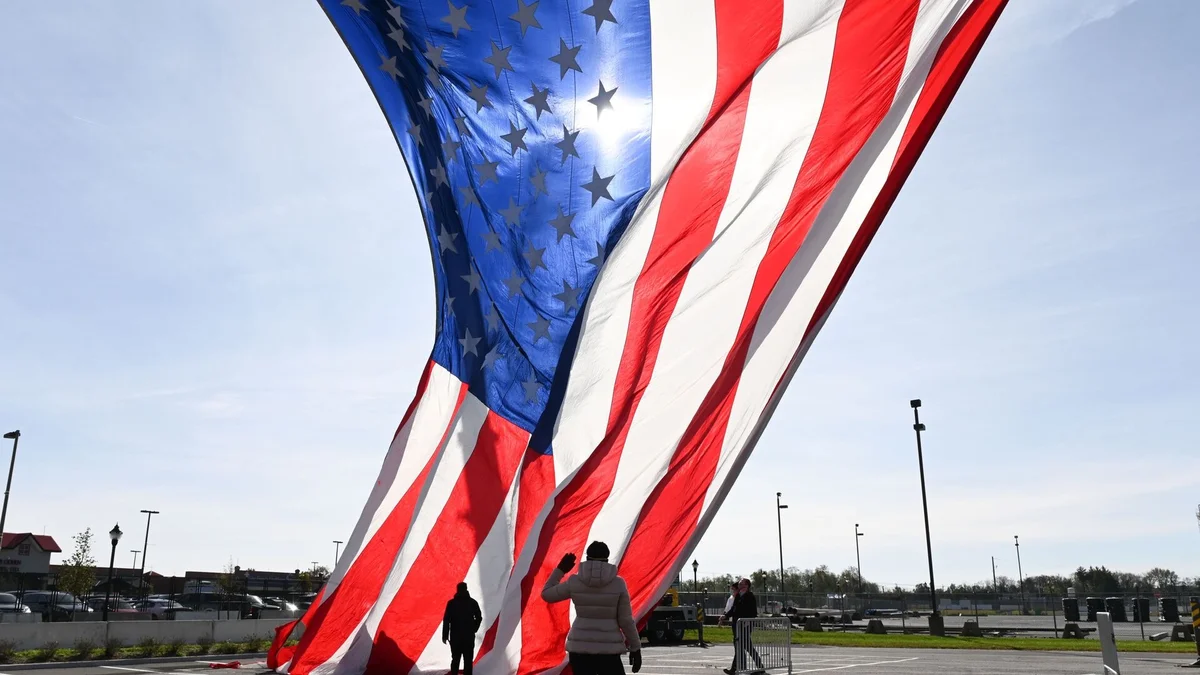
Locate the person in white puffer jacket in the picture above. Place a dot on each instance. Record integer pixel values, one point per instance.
(604, 628)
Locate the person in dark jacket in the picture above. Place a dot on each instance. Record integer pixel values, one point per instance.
(459, 625)
(744, 607)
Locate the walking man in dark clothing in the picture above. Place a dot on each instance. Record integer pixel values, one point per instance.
(459, 625)
(744, 607)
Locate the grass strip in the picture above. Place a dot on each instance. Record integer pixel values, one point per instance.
(898, 641)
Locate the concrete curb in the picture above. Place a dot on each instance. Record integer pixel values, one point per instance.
(131, 662)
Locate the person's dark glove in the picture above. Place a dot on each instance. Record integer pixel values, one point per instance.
(635, 661)
(567, 563)
(445, 640)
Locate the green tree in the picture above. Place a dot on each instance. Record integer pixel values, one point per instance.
(228, 584)
(1161, 578)
(78, 575)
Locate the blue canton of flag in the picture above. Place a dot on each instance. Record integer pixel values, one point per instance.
(526, 134)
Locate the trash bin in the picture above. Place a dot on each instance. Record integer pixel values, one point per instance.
(1141, 609)
(1094, 605)
(1168, 610)
(1116, 609)
(1070, 609)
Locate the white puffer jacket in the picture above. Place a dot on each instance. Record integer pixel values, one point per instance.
(603, 618)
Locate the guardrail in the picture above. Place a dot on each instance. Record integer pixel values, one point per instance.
(762, 645)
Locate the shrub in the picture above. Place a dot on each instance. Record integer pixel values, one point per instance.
(45, 653)
(111, 647)
(205, 643)
(147, 647)
(225, 647)
(84, 649)
(7, 649)
(173, 647)
(257, 645)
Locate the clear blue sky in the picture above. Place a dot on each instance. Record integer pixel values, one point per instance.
(215, 300)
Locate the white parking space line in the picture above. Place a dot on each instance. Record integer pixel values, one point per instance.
(854, 665)
(129, 670)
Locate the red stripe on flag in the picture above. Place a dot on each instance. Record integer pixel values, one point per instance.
(475, 501)
(869, 55)
(533, 491)
(691, 206)
(336, 619)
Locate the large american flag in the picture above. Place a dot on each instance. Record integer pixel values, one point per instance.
(640, 213)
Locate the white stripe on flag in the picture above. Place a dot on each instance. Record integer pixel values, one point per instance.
(683, 55)
(785, 103)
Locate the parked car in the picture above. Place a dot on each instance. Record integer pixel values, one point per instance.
(282, 604)
(247, 606)
(114, 604)
(161, 608)
(9, 604)
(54, 605)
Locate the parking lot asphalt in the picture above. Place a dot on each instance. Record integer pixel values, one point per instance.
(805, 659)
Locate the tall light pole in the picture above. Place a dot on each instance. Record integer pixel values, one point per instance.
(14, 436)
(995, 586)
(337, 548)
(858, 557)
(114, 535)
(779, 521)
(918, 427)
(134, 552)
(1020, 575)
(145, 550)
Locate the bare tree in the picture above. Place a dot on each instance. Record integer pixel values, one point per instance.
(78, 575)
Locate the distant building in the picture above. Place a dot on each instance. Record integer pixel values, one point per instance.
(25, 553)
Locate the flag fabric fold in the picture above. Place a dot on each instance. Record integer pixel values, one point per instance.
(640, 213)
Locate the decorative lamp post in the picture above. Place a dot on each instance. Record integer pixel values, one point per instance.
(114, 535)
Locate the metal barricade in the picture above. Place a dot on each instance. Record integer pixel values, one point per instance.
(763, 644)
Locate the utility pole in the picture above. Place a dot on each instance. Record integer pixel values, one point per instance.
(12, 463)
(918, 427)
(1020, 575)
(858, 557)
(779, 521)
(995, 586)
(145, 551)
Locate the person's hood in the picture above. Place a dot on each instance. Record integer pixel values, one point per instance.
(596, 573)
(462, 594)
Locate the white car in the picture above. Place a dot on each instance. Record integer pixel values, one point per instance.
(160, 608)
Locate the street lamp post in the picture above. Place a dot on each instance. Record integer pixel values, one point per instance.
(14, 436)
(918, 427)
(337, 548)
(114, 535)
(1020, 574)
(700, 602)
(858, 557)
(779, 521)
(145, 551)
